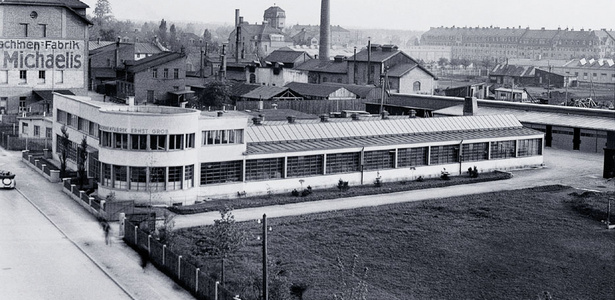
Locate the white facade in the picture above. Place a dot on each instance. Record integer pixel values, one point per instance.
(168, 155)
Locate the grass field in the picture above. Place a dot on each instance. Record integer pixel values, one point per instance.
(503, 245)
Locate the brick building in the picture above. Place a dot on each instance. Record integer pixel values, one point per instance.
(44, 46)
(158, 79)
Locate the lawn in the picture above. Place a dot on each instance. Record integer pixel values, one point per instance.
(502, 245)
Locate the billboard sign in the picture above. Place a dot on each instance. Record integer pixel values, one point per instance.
(42, 54)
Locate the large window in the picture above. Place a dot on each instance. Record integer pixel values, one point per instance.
(138, 141)
(175, 178)
(530, 147)
(120, 140)
(378, 160)
(189, 176)
(298, 166)
(263, 169)
(343, 162)
(176, 141)
(106, 175)
(503, 149)
(221, 172)
(475, 152)
(157, 178)
(444, 154)
(219, 137)
(190, 140)
(158, 142)
(120, 177)
(138, 178)
(412, 157)
(105, 139)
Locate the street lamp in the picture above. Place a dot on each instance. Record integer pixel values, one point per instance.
(265, 276)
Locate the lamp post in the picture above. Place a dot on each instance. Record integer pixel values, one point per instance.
(216, 290)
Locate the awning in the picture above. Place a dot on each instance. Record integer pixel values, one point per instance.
(47, 95)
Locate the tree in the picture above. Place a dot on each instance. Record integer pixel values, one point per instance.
(442, 62)
(226, 237)
(162, 31)
(82, 156)
(173, 43)
(207, 36)
(215, 94)
(64, 143)
(102, 13)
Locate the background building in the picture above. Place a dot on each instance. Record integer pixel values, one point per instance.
(43, 46)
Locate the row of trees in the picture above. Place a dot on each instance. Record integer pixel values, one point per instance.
(107, 28)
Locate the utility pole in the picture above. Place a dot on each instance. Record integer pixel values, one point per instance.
(265, 279)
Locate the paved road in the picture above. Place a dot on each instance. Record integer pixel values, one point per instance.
(580, 170)
(58, 251)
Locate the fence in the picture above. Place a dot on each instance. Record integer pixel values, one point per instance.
(41, 165)
(10, 141)
(174, 265)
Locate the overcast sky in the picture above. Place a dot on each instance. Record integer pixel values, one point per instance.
(390, 14)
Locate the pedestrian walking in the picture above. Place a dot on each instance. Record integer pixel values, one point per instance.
(144, 257)
(107, 230)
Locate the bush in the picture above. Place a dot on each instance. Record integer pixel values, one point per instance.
(306, 192)
(342, 185)
(295, 193)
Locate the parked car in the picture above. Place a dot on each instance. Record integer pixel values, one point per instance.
(7, 180)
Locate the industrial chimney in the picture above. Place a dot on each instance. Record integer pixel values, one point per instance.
(325, 31)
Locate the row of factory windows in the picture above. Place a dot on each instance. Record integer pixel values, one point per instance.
(182, 177)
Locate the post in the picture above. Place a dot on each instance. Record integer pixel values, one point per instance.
(149, 239)
(122, 224)
(196, 276)
(136, 236)
(608, 215)
(179, 267)
(222, 271)
(216, 290)
(164, 248)
(265, 279)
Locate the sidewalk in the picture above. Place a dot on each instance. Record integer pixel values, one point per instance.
(118, 261)
(576, 169)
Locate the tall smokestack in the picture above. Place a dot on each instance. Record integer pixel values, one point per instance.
(325, 31)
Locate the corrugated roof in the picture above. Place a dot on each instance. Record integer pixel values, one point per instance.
(285, 56)
(538, 117)
(311, 89)
(265, 92)
(514, 71)
(290, 132)
(361, 90)
(241, 89)
(93, 45)
(329, 66)
(147, 48)
(360, 142)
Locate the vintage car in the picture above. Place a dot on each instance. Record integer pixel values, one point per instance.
(7, 180)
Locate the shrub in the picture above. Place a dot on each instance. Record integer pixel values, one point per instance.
(295, 193)
(305, 192)
(342, 185)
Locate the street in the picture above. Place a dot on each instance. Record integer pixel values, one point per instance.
(37, 261)
(52, 248)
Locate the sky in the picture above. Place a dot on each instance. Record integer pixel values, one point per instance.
(381, 14)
